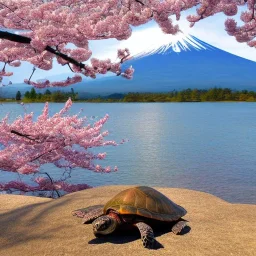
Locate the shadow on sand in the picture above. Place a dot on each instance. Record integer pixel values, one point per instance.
(21, 225)
(127, 236)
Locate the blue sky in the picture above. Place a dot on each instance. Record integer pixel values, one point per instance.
(148, 37)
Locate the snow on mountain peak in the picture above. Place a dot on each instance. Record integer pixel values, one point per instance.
(183, 42)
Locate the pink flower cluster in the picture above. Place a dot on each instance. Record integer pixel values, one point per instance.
(61, 139)
(4, 73)
(46, 83)
(43, 184)
(128, 73)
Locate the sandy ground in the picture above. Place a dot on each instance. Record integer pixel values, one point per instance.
(40, 226)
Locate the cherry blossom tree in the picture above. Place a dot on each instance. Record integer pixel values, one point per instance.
(62, 139)
(38, 31)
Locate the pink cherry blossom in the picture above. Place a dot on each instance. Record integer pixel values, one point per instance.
(29, 144)
(3, 73)
(128, 73)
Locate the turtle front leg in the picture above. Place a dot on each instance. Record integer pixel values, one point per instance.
(89, 214)
(178, 227)
(147, 235)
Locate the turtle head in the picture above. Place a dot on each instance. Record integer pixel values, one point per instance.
(104, 225)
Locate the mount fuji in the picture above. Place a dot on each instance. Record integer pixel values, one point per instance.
(190, 63)
(187, 63)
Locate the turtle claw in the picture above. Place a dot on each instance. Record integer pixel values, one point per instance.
(148, 241)
(178, 227)
(147, 235)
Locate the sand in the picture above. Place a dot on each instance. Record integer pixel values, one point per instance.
(41, 226)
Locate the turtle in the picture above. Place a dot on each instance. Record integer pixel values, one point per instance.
(140, 207)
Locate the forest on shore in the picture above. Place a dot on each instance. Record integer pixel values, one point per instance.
(192, 95)
(187, 95)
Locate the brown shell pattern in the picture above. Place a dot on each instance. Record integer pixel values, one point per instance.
(146, 202)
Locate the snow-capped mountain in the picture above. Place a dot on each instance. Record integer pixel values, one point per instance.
(187, 63)
(190, 63)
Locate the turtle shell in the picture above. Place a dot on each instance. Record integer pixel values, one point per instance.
(147, 202)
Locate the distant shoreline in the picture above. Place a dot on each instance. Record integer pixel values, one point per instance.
(188, 95)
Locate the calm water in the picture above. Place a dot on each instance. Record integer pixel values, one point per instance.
(209, 147)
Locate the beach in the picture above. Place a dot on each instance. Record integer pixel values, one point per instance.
(42, 226)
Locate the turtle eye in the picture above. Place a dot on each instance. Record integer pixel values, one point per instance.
(100, 227)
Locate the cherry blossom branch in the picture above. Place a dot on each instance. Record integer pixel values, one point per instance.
(26, 40)
(23, 135)
(52, 183)
(70, 68)
(14, 37)
(33, 70)
(77, 78)
(62, 140)
(3, 70)
(98, 66)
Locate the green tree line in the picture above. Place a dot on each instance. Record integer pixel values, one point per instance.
(58, 96)
(192, 95)
(187, 95)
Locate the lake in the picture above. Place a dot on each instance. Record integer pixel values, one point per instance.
(209, 147)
